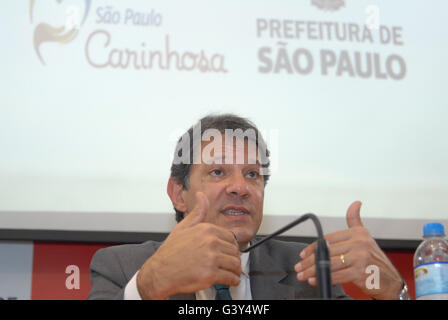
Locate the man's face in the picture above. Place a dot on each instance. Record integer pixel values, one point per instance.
(234, 188)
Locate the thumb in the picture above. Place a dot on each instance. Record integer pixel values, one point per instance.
(353, 215)
(199, 211)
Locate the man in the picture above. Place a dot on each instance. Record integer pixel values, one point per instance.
(217, 188)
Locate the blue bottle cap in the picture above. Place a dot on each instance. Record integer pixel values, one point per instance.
(433, 229)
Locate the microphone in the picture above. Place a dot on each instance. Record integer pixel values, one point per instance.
(321, 253)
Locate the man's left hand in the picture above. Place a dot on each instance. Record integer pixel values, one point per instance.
(351, 252)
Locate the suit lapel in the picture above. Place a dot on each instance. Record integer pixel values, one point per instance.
(265, 276)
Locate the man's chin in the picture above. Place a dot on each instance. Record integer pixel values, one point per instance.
(242, 230)
(242, 237)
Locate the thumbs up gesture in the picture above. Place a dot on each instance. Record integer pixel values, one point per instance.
(195, 255)
(352, 251)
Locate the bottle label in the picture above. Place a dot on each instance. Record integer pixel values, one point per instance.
(431, 278)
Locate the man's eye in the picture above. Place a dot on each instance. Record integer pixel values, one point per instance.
(216, 172)
(253, 174)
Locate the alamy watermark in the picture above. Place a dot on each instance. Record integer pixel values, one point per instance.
(373, 280)
(72, 282)
(232, 146)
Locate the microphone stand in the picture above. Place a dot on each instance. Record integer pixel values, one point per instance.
(321, 253)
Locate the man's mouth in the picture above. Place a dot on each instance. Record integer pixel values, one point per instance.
(234, 211)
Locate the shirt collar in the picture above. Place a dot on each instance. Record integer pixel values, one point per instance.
(245, 263)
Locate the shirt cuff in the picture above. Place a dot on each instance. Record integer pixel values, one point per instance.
(131, 291)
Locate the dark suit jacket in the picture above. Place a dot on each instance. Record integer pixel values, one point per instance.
(272, 274)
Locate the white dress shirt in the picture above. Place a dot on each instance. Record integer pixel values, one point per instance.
(240, 292)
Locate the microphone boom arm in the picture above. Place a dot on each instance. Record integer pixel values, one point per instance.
(321, 256)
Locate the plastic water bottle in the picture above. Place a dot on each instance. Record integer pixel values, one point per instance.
(431, 264)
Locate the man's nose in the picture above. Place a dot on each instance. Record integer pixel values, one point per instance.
(237, 185)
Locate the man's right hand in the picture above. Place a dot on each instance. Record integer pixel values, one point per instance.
(193, 257)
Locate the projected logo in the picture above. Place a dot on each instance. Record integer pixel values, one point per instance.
(64, 29)
(328, 5)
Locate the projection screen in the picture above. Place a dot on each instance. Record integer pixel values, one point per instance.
(350, 95)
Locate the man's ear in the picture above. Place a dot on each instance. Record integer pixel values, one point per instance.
(174, 190)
